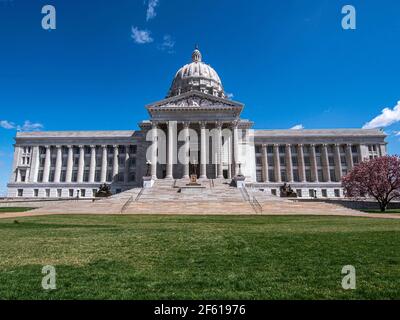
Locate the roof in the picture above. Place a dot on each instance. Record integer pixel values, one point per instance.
(76, 134)
(321, 132)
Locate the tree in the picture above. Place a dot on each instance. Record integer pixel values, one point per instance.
(378, 178)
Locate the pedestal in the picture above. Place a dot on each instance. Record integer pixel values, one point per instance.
(239, 181)
(148, 182)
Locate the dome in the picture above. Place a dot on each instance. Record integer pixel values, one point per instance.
(197, 76)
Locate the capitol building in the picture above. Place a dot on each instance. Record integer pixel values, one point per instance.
(198, 130)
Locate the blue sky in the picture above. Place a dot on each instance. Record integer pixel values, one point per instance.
(289, 61)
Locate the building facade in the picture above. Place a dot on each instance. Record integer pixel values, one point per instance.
(195, 129)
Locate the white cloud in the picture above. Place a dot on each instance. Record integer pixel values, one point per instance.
(168, 44)
(151, 9)
(297, 127)
(27, 126)
(385, 119)
(141, 36)
(7, 125)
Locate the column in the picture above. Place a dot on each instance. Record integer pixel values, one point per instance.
(203, 151)
(154, 149)
(115, 163)
(92, 168)
(186, 150)
(170, 150)
(349, 157)
(338, 163)
(314, 166)
(382, 150)
(236, 158)
(47, 162)
(325, 163)
(35, 164)
(301, 166)
(127, 162)
(104, 164)
(16, 160)
(289, 163)
(265, 163)
(57, 173)
(220, 174)
(70, 164)
(277, 164)
(81, 165)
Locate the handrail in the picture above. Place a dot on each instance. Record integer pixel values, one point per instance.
(127, 203)
(139, 194)
(251, 200)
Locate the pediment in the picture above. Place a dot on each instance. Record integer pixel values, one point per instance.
(195, 100)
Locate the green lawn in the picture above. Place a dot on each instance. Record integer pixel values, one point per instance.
(199, 257)
(14, 209)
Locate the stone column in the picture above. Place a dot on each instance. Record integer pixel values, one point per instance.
(70, 164)
(92, 168)
(115, 163)
(236, 158)
(314, 166)
(220, 174)
(349, 157)
(325, 163)
(277, 164)
(154, 161)
(35, 164)
(81, 166)
(265, 163)
(289, 163)
(104, 164)
(382, 150)
(203, 151)
(338, 163)
(127, 161)
(186, 150)
(301, 166)
(47, 163)
(170, 151)
(57, 174)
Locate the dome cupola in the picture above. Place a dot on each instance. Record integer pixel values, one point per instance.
(197, 76)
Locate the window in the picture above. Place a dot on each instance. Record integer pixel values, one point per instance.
(71, 193)
(271, 175)
(121, 161)
(283, 175)
(132, 162)
(83, 193)
(52, 174)
(343, 160)
(282, 160)
(36, 193)
(97, 176)
(86, 176)
(120, 177)
(273, 192)
(331, 160)
(259, 176)
(59, 193)
(63, 177)
(337, 193)
(20, 192)
(75, 176)
(308, 175)
(259, 161)
(296, 175)
(94, 191)
(333, 175)
(132, 176)
(320, 175)
(354, 149)
(23, 175)
(307, 160)
(299, 193)
(270, 149)
(324, 193)
(132, 149)
(312, 193)
(47, 193)
(40, 176)
(258, 149)
(295, 161)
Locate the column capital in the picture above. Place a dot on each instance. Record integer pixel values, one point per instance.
(92, 146)
(58, 146)
(264, 146)
(288, 145)
(47, 146)
(276, 145)
(203, 124)
(104, 146)
(115, 146)
(186, 124)
(81, 146)
(218, 124)
(234, 124)
(300, 145)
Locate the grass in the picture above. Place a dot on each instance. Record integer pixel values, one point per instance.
(14, 209)
(389, 211)
(199, 257)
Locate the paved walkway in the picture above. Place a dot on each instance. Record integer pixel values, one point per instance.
(217, 198)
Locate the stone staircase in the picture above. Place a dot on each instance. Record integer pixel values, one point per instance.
(217, 197)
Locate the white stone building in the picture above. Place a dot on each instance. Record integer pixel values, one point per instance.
(195, 128)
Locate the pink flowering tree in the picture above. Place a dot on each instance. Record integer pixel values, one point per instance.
(378, 178)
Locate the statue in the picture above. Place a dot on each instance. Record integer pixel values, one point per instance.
(286, 191)
(104, 191)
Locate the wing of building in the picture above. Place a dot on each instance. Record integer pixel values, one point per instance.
(195, 129)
